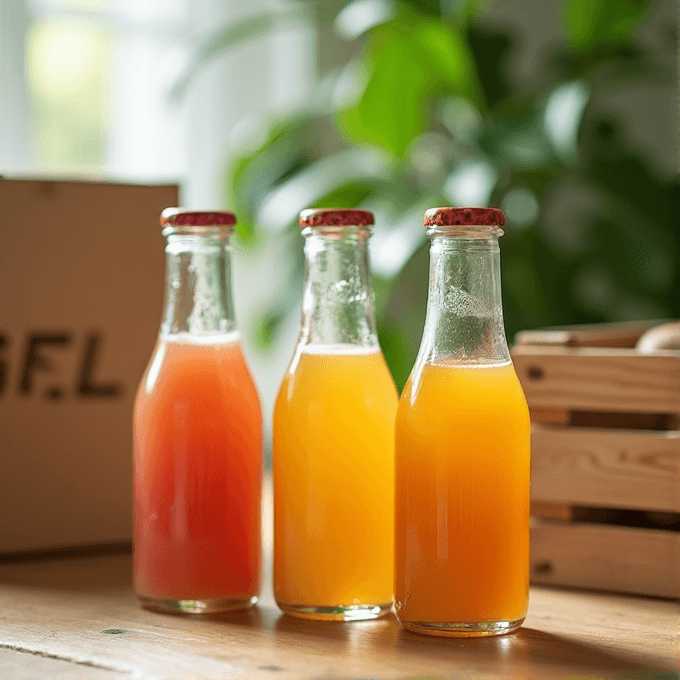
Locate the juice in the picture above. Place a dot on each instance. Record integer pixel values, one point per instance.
(462, 496)
(198, 449)
(334, 481)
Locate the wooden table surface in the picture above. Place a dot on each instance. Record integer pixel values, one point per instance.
(78, 618)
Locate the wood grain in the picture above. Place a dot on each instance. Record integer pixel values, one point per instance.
(635, 469)
(550, 510)
(83, 613)
(598, 379)
(30, 666)
(556, 416)
(78, 619)
(624, 559)
(592, 335)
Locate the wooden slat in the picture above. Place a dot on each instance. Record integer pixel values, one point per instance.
(551, 510)
(642, 561)
(622, 421)
(557, 416)
(599, 379)
(634, 469)
(593, 335)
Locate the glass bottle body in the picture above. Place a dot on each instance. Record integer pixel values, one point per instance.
(333, 445)
(198, 444)
(463, 455)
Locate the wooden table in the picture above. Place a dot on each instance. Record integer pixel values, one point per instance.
(78, 618)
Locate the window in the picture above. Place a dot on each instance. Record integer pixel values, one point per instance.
(85, 89)
(86, 83)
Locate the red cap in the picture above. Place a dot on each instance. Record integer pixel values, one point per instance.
(184, 217)
(332, 217)
(482, 217)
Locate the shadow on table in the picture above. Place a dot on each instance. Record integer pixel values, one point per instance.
(255, 617)
(270, 618)
(529, 648)
(536, 649)
(559, 655)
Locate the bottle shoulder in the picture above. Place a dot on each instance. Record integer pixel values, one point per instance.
(184, 359)
(453, 384)
(331, 372)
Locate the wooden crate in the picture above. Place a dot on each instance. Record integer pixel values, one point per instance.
(605, 460)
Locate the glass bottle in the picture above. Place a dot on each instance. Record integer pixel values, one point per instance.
(462, 447)
(197, 435)
(333, 437)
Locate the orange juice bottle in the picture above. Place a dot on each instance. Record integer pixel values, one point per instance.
(462, 447)
(333, 437)
(197, 436)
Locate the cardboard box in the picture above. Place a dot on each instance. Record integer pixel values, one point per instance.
(81, 290)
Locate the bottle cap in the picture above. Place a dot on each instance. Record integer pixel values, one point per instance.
(477, 217)
(335, 217)
(185, 217)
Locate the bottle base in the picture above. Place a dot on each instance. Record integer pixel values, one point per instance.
(203, 606)
(456, 629)
(360, 612)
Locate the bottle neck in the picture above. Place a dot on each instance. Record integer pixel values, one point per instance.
(198, 285)
(464, 320)
(337, 305)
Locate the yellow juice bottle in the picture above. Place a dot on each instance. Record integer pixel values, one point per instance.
(333, 439)
(463, 447)
(463, 436)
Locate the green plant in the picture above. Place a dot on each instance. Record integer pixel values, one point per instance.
(422, 113)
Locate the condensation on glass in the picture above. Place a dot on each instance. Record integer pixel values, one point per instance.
(333, 437)
(462, 446)
(197, 435)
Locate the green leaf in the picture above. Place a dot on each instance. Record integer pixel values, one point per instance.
(397, 353)
(404, 314)
(461, 11)
(609, 164)
(348, 196)
(288, 148)
(390, 114)
(270, 321)
(408, 61)
(492, 50)
(255, 173)
(590, 23)
(313, 181)
(517, 139)
(443, 51)
(425, 6)
(268, 325)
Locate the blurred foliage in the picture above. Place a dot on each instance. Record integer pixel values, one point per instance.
(421, 112)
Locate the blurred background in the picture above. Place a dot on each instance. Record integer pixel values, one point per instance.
(563, 113)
